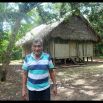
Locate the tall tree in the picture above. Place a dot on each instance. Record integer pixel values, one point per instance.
(15, 18)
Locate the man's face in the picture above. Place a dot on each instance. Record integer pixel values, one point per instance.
(37, 48)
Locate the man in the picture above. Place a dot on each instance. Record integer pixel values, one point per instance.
(37, 68)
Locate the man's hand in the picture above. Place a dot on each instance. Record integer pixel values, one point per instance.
(55, 90)
(24, 88)
(24, 94)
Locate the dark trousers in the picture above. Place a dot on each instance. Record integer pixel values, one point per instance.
(39, 95)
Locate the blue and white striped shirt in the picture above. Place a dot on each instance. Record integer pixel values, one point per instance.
(38, 71)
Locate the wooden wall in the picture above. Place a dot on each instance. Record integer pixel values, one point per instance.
(71, 49)
(61, 50)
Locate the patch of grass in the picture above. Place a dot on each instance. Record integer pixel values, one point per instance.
(99, 57)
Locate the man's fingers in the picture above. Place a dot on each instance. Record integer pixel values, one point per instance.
(24, 98)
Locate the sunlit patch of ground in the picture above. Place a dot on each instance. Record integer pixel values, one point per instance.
(99, 97)
(79, 82)
(16, 62)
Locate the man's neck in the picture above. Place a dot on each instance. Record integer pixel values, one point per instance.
(37, 56)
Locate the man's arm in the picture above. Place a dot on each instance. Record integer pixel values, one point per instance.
(24, 81)
(53, 78)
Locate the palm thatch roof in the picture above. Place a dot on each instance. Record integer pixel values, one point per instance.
(75, 27)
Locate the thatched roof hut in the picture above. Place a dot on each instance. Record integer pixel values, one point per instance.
(40, 31)
(74, 28)
(75, 32)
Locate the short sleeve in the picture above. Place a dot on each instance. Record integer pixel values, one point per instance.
(25, 65)
(51, 65)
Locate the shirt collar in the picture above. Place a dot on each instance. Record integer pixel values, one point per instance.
(33, 55)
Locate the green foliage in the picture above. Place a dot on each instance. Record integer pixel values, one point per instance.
(3, 44)
(8, 18)
(96, 19)
(16, 53)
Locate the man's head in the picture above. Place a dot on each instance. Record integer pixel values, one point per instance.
(37, 46)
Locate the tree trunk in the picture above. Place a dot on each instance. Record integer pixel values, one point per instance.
(75, 8)
(7, 54)
(3, 75)
(3, 72)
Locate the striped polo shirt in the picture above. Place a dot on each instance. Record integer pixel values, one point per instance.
(38, 71)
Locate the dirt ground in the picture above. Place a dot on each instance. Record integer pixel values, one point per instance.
(84, 82)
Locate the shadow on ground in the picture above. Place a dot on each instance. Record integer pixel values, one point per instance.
(74, 83)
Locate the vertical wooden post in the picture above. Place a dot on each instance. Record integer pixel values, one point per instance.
(87, 59)
(91, 59)
(65, 60)
(54, 51)
(83, 58)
